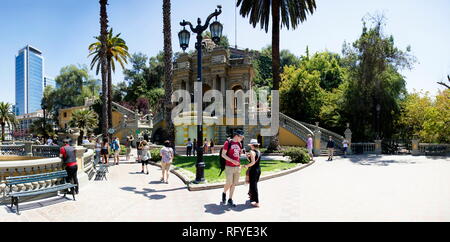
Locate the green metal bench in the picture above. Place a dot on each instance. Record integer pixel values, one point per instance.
(17, 180)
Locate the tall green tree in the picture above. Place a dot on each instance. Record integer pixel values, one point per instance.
(375, 82)
(288, 13)
(103, 60)
(168, 69)
(7, 117)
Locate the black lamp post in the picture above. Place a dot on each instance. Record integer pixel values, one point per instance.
(184, 36)
(44, 107)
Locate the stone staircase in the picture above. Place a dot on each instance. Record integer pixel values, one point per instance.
(302, 130)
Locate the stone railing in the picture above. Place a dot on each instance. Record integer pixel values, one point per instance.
(434, 149)
(12, 150)
(37, 166)
(45, 151)
(363, 148)
(297, 128)
(325, 133)
(28, 167)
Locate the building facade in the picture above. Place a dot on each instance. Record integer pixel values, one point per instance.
(48, 81)
(22, 130)
(222, 70)
(29, 80)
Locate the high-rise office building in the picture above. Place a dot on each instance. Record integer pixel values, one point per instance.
(49, 82)
(29, 80)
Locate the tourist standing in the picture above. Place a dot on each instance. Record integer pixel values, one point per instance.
(105, 151)
(309, 146)
(345, 145)
(211, 146)
(189, 147)
(128, 147)
(254, 171)
(49, 141)
(85, 141)
(115, 145)
(69, 158)
(166, 160)
(146, 156)
(205, 147)
(98, 149)
(195, 147)
(232, 151)
(330, 147)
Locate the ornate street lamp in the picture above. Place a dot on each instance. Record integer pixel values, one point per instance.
(184, 36)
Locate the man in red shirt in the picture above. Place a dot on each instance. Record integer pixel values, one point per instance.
(67, 154)
(232, 151)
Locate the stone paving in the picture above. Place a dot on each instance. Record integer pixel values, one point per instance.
(364, 188)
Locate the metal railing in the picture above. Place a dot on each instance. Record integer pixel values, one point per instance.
(434, 149)
(363, 148)
(12, 150)
(45, 151)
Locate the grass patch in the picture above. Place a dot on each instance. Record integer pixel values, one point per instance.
(212, 169)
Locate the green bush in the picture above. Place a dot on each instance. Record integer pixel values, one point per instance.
(123, 150)
(297, 155)
(155, 155)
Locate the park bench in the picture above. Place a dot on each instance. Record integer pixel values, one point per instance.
(59, 175)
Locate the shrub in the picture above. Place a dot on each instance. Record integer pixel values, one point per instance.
(155, 155)
(297, 155)
(123, 150)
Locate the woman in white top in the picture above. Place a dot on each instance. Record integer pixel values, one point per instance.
(345, 145)
(146, 156)
(166, 160)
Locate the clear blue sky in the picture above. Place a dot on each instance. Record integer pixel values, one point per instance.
(62, 30)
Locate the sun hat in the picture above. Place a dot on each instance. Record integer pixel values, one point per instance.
(253, 142)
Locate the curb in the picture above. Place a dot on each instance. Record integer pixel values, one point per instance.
(201, 187)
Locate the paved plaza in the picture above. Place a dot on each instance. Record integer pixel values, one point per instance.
(363, 188)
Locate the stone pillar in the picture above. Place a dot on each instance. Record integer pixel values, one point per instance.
(214, 84)
(317, 146)
(415, 146)
(348, 137)
(378, 147)
(28, 148)
(223, 88)
(83, 179)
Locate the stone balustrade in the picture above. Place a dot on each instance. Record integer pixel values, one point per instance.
(45, 151)
(36, 166)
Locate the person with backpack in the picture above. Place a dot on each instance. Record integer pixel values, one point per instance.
(69, 159)
(254, 171)
(115, 146)
(230, 162)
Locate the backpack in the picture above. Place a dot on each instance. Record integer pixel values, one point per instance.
(222, 160)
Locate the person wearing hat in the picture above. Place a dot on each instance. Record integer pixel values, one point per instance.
(231, 152)
(254, 171)
(68, 157)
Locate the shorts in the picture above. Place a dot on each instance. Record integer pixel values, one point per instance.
(116, 153)
(104, 152)
(165, 166)
(233, 174)
(145, 162)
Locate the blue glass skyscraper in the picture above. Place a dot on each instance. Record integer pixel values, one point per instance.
(29, 80)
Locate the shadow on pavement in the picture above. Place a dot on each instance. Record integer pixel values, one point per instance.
(218, 209)
(147, 192)
(37, 204)
(376, 160)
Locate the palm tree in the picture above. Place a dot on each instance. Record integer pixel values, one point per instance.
(7, 117)
(168, 65)
(85, 120)
(116, 50)
(102, 60)
(288, 13)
